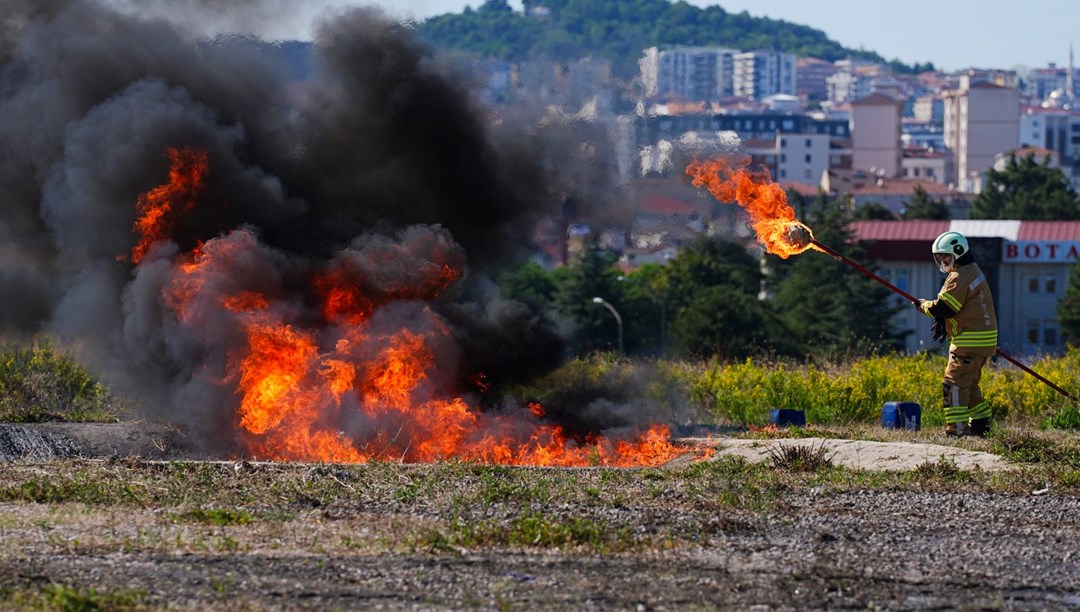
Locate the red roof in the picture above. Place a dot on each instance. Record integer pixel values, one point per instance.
(1049, 230)
(898, 230)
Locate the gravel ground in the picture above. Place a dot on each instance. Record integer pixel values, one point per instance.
(809, 548)
(854, 550)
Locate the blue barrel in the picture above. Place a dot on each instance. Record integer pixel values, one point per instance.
(785, 417)
(901, 415)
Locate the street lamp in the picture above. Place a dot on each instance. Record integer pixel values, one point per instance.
(618, 319)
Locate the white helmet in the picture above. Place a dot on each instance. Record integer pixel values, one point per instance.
(947, 248)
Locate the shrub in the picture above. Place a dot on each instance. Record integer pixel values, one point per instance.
(41, 383)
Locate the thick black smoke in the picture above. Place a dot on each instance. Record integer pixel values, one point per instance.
(381, 142)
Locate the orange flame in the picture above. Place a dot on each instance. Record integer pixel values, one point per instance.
(317, 380)
(158, 207)
(771, 216)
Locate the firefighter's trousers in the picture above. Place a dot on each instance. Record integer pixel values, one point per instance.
(962, 398)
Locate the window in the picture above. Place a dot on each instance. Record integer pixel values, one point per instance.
(783, 172)
(783, 143)
(1051, 285)
(930, 172)
(808, 144)
(806, 173)
(1033, 332)
(808, 158)
(1050, 336)
(1033, 285)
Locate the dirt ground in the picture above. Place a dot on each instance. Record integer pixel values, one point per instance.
(806, 548)
(44, 441)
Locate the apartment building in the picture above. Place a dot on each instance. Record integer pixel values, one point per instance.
(760, 74)
(982, 120)
(1057, 130)
(875, 134)
(688, 73)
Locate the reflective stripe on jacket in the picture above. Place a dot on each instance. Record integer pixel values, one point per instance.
(974, 326)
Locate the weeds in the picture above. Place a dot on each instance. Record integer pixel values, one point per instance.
(801, 458)
(55, 596)
(943, 468)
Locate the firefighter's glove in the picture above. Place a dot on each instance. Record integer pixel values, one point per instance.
(939, 330)
(919, 305)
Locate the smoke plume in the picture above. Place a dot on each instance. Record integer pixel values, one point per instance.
(376, 170)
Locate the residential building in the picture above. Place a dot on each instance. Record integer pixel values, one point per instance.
(759, 74)
(1057, 130)
(875, 134)
(981, 121)
(688, 73)
(845, 86)
(923, 163)
(811, 75)
(929, 109)
(1027, 264)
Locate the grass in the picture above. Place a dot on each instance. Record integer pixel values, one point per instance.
(56, 596)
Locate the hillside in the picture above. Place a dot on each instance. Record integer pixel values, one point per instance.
(560, 30)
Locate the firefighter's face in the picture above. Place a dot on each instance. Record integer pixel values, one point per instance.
(944, 262)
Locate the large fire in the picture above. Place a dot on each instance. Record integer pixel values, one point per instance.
(326, 383)
(159, 207)
(771, 217)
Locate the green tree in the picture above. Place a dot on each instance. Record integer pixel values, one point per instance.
(1069, 307)
(922, 206)
(591, 274)
(873, 211)
(647, 302)
(528, 283)
(714, 308)
(723, 321)
(1026, 190)
(828, 306)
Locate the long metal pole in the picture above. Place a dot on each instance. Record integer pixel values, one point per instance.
(914, 300)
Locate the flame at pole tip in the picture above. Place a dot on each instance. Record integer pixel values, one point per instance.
(771, 217)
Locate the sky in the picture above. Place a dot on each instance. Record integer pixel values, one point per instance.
(953, 34)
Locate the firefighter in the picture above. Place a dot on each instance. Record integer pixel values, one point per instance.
(963, 312)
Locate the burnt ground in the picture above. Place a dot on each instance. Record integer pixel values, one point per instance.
(419, 537)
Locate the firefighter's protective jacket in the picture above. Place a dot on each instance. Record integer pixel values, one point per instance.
(967, 306)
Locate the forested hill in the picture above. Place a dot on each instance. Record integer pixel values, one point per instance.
(561, 30)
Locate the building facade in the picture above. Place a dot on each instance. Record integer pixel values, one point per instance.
(760, 74)
(1027, 264)
(875, 134)
(688, 73)
(981, 120)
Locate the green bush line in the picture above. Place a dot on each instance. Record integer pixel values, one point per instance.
(40, 382)
(855, 392)
(847, 393)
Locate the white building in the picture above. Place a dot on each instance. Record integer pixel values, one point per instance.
(981, 121)
(760, 74)
(689, 73)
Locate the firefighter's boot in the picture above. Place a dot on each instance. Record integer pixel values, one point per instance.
(954, 430)
(980, 427)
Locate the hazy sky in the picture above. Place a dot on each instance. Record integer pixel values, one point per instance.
(953, 34)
